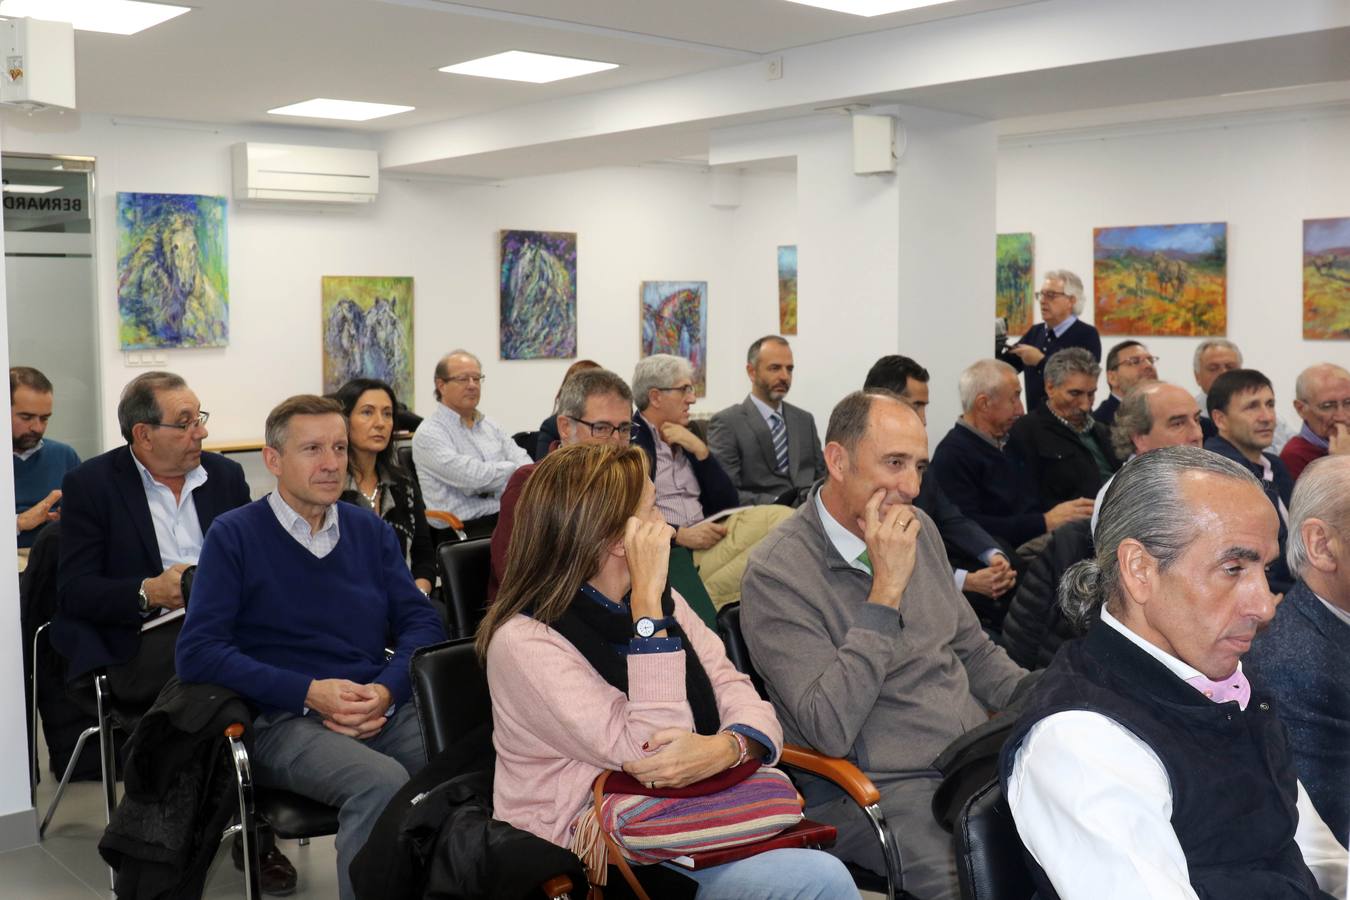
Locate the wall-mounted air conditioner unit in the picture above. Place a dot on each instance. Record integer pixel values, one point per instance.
(289, 173)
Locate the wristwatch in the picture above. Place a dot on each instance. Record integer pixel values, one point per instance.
(144, 599)
(645, 627)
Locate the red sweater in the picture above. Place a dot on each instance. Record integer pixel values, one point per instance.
(1297, 453)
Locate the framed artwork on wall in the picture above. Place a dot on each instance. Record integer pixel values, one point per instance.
(675, 321)
(1015, 280)
(1161, 280)
(538, 291)
(787, 290)
(1326, 279)
(368, 332)
(172, 271)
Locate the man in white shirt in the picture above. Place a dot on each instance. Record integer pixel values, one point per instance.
(1144, 763)
(463, 458)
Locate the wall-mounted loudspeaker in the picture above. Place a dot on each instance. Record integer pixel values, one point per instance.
(874, 144)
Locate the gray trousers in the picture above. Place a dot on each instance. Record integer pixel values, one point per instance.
(927, 851)
(359, 777)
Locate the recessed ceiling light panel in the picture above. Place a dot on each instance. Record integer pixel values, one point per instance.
(347, 110)
(870, 7)
(521, 65)
(110, 16)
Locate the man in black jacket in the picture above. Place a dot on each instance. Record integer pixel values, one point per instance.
(1064, 451)
(1061, 299)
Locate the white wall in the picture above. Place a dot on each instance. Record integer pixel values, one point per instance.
(1262, 174)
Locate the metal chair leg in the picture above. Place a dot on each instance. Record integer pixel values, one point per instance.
(243, 774)
(890, 853)
(36, 768)
(108, 759)
(65, 778)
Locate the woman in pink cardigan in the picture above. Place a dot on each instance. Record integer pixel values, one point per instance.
(595, 665)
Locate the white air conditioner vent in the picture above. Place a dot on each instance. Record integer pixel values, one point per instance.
(289, 173)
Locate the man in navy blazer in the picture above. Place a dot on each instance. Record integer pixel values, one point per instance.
(1061, 299)
(1303, 657)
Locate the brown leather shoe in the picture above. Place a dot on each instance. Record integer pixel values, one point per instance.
(276, 875)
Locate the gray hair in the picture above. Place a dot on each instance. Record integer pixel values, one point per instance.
(442, 372)
(1071, 361)
(982, 377)
(1144, 503)
(752, 355)
(1073, 286)
(660, 370)
(1134, 417)
(1303, 386)
(139, 403)
(1320, 493)
(1214, 344)
(590, 383)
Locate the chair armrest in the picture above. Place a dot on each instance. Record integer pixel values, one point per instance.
(557, 886)
(450, 520)
(839, 771)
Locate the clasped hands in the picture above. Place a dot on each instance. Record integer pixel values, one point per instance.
(356, 710)
(682, 757)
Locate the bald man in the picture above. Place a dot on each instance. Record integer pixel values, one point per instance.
(1322, 400)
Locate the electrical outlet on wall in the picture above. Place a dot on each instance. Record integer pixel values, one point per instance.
(773, 68)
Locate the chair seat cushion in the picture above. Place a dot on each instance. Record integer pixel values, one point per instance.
(293, 816)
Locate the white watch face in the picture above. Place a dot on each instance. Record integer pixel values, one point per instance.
(646, 627)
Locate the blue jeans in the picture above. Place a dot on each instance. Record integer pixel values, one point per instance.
(359, 777)
(792, 873)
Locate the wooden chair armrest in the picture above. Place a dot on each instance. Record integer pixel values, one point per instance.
(839, 771)
(557, 886)
(449, 519)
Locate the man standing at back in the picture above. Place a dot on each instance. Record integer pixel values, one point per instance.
(39, 462)
(768, 447)
(865, 646)
(1062, 299)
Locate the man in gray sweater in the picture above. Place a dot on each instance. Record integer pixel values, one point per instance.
(867, 649)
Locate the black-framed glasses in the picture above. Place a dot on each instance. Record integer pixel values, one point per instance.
(687, 390)
(605, 429)
(197, 421)
(467, 379)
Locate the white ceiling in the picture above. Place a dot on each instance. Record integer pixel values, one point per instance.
(228, 61)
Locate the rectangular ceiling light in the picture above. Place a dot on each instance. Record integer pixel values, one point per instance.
(347, 110)
(870, 7)
(31, 188)
(110, 16)
(521, 65)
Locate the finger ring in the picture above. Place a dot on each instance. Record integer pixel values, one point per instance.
(652, 785)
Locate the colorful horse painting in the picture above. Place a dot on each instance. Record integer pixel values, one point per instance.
(538, 290)
(675, 321)
(368, 332)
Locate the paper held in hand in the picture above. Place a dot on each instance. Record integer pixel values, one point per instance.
(723, 515)
(165, 619)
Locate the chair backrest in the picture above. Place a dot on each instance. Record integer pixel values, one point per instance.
(403, 453)
(527, 441)
(990, 864)
(450, 693)
(729, 627)
(465, 566)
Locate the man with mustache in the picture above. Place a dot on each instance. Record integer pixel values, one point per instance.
(768, 447)
(1144, 762)
(1242, 407)
(1061, 298)
(1129, 363)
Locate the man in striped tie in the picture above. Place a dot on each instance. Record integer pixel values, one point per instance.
(768, 447)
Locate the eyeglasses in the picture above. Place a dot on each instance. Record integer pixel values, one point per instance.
(605, 429)
(1138, 361)
(1329, 406)
(466, 379)
(197, 421)
(1051, 295)
(687, 390)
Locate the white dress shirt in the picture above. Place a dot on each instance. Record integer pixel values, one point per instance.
(178, 531)
(321, 542)
(25, 454)
(463, 469)
(849, 545)
(1093, 805)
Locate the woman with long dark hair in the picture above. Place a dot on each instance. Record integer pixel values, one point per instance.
(376, 481)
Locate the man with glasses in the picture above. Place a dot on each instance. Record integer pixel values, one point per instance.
(595, 406)
(1322, 399)
(132, 526)
(1129, 363)
(1061, 299)
(463, 459)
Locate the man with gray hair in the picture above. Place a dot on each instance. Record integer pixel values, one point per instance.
(1062, 299)
(1322, 400)
(1303, 658)
(1063, 450)
(1144, 762)
(463, 458)
(1213, 358)
(975, 470)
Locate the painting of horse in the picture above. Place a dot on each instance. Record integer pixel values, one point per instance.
(538, 291)
(1326, 279)
(787, 290)
(368, 332)
(1161, 280)
(172, 271)
(1014, 285)
(675, 321)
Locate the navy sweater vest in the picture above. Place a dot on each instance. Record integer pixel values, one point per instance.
(1234, 788)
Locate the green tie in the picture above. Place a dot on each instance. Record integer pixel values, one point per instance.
(865, 560)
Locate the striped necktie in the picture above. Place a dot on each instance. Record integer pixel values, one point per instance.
(779, 433)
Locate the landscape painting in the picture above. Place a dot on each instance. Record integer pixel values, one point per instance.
(787, 290)
(1161, 280)
(1014, 280)
(172, 271)
(1326, 279)
(538, 281)
(368, 332)
(675, 320)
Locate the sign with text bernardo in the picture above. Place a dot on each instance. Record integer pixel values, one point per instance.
(28, 203)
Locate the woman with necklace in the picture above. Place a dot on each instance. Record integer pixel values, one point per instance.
(376, 481)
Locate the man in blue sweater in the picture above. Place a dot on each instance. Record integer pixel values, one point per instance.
(297, 596)
(39, 462)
